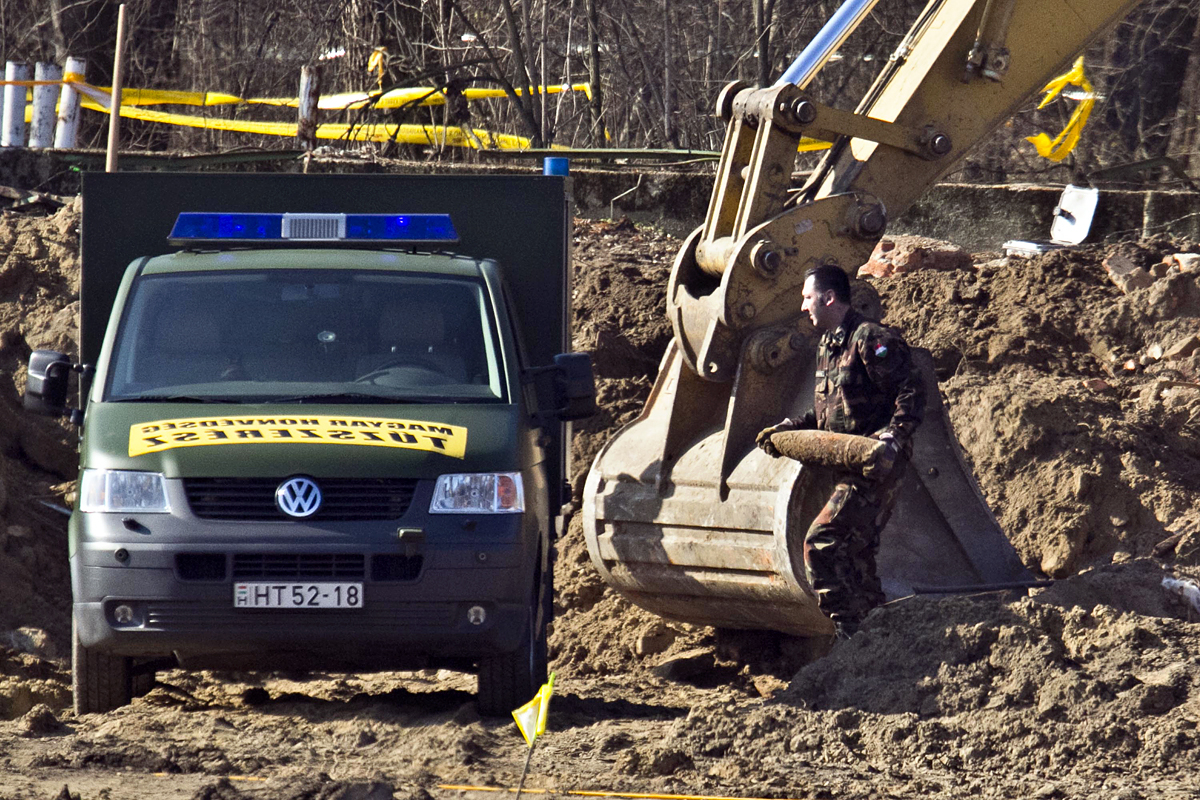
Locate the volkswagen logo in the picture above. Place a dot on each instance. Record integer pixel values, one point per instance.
(298, 497)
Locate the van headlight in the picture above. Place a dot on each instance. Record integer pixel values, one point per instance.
(123, 491)
(478, 493)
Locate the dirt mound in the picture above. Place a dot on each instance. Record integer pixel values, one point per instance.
(620, 276)
(39, 287)
(1059, 313)
(620, 287)
(28, 681)
(1096, 673)
(1084, 433)
(596, 631)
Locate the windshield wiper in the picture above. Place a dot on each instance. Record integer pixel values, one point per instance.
(176, 398)
(347, 397)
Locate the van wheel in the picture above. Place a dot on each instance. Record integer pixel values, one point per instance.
(509, 680)
(99, 682)
(141, 679)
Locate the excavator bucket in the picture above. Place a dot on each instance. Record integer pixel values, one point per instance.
(669, 534)
(682, 513)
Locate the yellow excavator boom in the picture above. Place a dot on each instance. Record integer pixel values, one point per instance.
(682, 514)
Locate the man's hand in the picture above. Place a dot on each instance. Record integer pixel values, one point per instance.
(763, 440)
(885, 457)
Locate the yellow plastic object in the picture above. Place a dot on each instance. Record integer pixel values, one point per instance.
(1057, 149)
(377, 63)
(531, 717)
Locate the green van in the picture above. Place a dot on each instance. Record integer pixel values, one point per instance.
(313, 439)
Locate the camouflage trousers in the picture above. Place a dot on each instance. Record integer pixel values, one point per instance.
(840, 546)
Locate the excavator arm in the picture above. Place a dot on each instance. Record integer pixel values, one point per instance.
(682, 514)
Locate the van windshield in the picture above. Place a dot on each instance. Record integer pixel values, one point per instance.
(306, 336)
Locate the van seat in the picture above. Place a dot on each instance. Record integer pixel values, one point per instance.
(185, 347)
(413, 333)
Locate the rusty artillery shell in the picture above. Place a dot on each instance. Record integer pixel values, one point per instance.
(842, 451)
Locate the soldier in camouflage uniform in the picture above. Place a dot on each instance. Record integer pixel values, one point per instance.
(866, 385)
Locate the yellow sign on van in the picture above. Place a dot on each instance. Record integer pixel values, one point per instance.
(166, 434)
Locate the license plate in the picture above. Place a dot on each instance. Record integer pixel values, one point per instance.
(297, 595)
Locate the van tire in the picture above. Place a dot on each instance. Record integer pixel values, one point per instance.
(99, 682)
(141, 680)
(509, 680)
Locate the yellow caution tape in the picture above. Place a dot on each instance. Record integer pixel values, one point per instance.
(1057, 149)
(409, 96)
(97, 98)
(423, 96)
(394, 98)
(149, 97)
(373, 132)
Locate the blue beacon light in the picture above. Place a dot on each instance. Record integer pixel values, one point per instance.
(239, 227)
(190, 225)
(401, 227)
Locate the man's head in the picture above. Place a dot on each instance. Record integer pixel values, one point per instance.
(826, 296)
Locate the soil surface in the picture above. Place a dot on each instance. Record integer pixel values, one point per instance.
(1077, 402)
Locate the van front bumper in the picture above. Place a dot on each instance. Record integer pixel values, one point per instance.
(470, 597)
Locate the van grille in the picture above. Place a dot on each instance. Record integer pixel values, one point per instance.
(385, 567)
(200, 566)
(378, 616)
(279, 566)
(342, 499)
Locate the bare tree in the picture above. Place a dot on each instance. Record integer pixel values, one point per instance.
(655, 68)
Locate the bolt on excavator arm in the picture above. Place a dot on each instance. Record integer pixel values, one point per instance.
(682, 514)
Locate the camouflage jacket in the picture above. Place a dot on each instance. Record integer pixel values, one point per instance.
(867, 383)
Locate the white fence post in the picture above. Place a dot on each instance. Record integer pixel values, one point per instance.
(68, 106)
(41, 132)
(12, 132)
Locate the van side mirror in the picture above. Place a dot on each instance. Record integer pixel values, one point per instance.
(567, 386)
(46, 384)
(574, 386)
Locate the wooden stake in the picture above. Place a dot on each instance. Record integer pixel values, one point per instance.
(114, 110)
(524, 772)
(307, 111)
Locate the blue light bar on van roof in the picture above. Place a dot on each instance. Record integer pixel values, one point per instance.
(266, 228)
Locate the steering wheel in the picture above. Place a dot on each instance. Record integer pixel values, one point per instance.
(412, 362)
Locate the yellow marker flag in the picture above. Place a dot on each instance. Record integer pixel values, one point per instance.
(531, 717)
(1065, 142)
